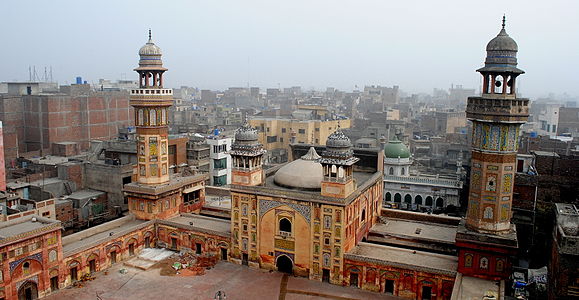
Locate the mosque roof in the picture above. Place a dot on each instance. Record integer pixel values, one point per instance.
(396, 149)
(304, 173)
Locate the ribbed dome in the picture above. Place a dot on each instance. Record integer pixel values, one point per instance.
(304, 173)
(396, 149)
(150, 48)
(502, 42)
(338, 140)
(246, 133)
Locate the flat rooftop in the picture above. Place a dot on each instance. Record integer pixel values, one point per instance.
(416, 230)
(84, 194)
(404, 258)
(11, 229)
(93, 236)
(467, 287)
(203, 223)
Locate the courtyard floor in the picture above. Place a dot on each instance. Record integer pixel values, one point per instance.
(238, 282)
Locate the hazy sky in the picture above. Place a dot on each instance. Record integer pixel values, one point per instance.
(418, 45)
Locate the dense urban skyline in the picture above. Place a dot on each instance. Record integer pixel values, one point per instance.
(418, 46)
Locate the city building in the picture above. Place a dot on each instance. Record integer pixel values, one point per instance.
(547, 120)
(75, 113)
(198, 152)
(219, 159)
(564, 263)
(277, 134)
(2, 165)
(568, 122)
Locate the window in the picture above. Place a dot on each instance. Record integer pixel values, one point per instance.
(283, 130)
(192, 196)
(402, 171)
(301, 131)
(271, 139)
(363, 215)
(554, 128)
(220, 163)
(327, 222)
(468, 260)
(52, 255)
(500, 265)
(152, 117)
(484, 263)
(285, 225)
(391, 171)
(281, 140)
(220, 180)
(327, 260)
(26, 268)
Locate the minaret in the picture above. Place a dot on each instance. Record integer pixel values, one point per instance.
(154, 194)
(151, 102)
(247, 157)
(489, 238)
(338, 164)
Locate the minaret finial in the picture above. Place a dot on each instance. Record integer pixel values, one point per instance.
(504, 19)
(150, 33)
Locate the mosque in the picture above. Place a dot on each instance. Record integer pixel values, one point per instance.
(312, 217)
(419, 192)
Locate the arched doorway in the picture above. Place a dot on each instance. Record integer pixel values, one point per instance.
(439, 203)
(28, 291)
(397, 198)
(388, 197)
(429, 201)
(408, 199)
(284, 264)
(418, 200)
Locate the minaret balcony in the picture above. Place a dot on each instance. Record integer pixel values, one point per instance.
(151, 92)
(151, 97)
(501, 110)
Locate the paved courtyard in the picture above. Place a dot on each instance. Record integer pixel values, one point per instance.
(238, 282)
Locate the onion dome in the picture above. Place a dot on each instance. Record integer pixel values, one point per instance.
(150, 48)
(502, 42)
(396, 149)
(246, 133)
(303, 174)
(501, 54)
(150, 55)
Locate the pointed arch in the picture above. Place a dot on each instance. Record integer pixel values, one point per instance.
(397, 198)
(418, 200)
